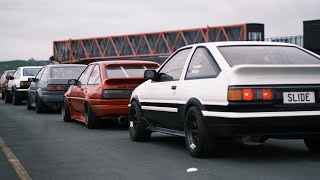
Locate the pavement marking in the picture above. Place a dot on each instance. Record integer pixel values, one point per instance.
(13, 160)
(192, 170)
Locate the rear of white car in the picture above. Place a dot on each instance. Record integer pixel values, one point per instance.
(258, 90)
(18, 84)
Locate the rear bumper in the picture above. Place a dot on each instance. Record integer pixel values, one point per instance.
(51, 98)
(273, 124)
(108, 109)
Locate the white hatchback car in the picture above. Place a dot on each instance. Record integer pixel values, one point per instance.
(18, 84)
(248, 90)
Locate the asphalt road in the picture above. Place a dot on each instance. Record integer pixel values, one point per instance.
(49, 148)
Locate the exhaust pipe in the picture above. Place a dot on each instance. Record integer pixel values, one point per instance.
(122, 120)
(253, 140)
(56, 106)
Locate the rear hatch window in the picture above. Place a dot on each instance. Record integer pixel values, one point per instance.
(30, 71)
(237, 55)
(66, 72)
(127, 71)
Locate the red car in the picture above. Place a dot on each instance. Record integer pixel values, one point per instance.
(4, 81)
(103, 90)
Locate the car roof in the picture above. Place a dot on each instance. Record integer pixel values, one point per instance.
(64, 65)
(237, 43)
(31, 67)
(119, 62)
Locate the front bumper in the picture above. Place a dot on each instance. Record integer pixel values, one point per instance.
(295, 124)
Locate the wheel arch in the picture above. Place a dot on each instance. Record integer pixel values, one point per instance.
(192, 102)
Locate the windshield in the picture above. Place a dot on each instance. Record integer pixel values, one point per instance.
(236, 55)
(127, 71)
(72, 72)
(30, 71)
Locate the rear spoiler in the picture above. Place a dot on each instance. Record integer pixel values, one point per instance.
(274, 74)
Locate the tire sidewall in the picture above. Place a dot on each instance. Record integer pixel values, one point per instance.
(140, 131)
(205, 142)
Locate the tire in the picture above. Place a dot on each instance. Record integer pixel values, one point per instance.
(29, 107)
(65, 111)
(15, 98)
(313, 144)
(91, 120)
(137, 126)
(2, 94)
(39, 105)
(197, 136)
(8, 97)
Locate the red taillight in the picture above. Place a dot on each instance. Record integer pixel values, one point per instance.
(267, 94)
(247, 94)
(56, 88)
(250, 94)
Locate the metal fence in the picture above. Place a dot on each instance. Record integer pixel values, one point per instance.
(298, 40)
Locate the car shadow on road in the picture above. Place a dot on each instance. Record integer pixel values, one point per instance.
(271, 151)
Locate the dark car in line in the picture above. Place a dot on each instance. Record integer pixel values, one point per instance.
(47, 89)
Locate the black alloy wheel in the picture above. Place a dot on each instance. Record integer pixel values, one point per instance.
(198, 140)
(15, 98)
(28, 104)
(8, 97)
(313, 143)
(65, 111)
(91, 120)
(137, 126)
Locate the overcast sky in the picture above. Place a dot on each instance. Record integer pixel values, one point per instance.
(28, 27)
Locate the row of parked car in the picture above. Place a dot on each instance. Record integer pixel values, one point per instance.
(204, 92)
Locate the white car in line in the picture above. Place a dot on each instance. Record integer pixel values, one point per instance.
(18, 84)
(248, 90)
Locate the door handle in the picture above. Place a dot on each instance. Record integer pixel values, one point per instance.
(173, 87)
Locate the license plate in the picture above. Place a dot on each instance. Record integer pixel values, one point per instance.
(298, 97)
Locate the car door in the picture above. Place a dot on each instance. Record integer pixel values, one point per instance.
(77, 93)
(34, 86)
(161, 106)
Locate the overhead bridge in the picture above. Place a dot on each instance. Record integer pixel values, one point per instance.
(154, 44)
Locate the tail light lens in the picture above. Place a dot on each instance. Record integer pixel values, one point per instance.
(56, 88)
(250, 94)
(25, 84)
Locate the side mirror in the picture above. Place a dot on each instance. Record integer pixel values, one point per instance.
(150, 74)
(9, 77)
(72, 82)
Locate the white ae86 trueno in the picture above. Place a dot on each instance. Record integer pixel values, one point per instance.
(249, 90)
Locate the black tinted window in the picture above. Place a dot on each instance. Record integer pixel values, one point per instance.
(30, 71)
(172, 70)
(70, 72)
(202, 65)
(236, 55)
